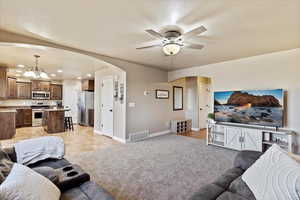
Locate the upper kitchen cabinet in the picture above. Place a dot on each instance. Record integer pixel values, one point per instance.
(88, 85)
(56, 91)
(3, 82)
(40, 85)
(11, 88)
(23, 90)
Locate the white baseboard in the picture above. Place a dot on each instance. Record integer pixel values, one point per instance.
(159, 133)
(98, 132)
(119, 139)
(195, 129)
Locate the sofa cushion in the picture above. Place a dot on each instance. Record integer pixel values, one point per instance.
(245, 159)
(5, 165)
(24, 183)
(208, 192)
(87, 191)
(48, 172)
(230, 175)
(230, 196)
(238, 186)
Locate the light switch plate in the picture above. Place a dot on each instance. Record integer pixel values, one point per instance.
(131, 104)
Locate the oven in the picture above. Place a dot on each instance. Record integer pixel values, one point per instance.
(37, 117)
(40, 95)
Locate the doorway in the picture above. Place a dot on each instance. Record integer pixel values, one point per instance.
(107, 105)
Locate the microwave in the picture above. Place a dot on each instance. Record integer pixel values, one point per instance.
(40, 95)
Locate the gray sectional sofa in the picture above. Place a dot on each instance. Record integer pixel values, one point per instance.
(85, 190)
(230, 185)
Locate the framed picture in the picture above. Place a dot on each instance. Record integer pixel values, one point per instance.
(162, 94)
(177, 98)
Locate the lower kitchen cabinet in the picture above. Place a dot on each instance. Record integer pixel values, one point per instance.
(23, 118)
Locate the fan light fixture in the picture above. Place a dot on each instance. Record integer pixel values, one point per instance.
(36, 72)
(171, 48)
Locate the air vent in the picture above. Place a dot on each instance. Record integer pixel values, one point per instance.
(134, 137)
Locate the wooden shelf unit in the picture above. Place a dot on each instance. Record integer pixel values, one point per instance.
(239, 137)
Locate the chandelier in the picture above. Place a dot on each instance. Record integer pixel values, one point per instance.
(36, 72)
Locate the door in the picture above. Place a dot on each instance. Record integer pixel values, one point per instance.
(204, 99)
(252, 140)
(107, 107)
(233, 138)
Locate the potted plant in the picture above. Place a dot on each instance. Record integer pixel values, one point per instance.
(211, 118)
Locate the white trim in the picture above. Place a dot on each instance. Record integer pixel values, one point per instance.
(159, 133)
(98, 132)
(119, 139)
(195, 129)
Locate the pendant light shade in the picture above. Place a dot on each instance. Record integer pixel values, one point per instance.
(36, 72)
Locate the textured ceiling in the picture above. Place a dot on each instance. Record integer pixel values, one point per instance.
(236, 28)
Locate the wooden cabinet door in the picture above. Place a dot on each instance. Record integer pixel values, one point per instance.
(19, 118)
(27, 117)
(23, 90)
(252, 140)
(233, 138)
(88, 85)
(56, 92)
(11, 88)
(3, 83)
(45, 86)
(35, 85)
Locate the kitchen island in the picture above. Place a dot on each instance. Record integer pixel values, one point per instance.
(54, 120)
(7, 123)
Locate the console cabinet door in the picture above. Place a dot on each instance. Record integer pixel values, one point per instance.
(252, 140)
(233, 138)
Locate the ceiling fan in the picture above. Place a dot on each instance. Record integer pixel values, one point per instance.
(173, 40)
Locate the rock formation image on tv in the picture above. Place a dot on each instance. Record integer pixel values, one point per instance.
(254, 107)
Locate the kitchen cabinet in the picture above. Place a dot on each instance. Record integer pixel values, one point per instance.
(40, 85)
(3, 82)
(88, 85)
(23, 117)
(11, 88)
(23, 90)
(56, 92)
(7, 124)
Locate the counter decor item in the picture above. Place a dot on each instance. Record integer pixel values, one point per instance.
(211, 118)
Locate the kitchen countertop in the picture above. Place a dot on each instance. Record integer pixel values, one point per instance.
(56, 109)
(7, 110)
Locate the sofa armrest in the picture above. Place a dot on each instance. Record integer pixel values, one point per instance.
(245, 159)
(11, 153)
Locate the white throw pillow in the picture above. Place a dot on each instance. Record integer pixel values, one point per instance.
(23, 183)
(274, 176)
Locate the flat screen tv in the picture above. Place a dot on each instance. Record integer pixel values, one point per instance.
(253, 107)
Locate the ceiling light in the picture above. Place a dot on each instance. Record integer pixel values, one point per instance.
(171, 49)
(36, 72)
(59, 71)
(19, 71)
(89, 75)
(53, 75)
(21, 66)
(79, 78)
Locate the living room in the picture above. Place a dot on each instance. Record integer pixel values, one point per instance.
(152, 54)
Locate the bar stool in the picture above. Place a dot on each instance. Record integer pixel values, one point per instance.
(68, 121)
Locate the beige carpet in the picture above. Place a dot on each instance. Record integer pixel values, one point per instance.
(169, 167)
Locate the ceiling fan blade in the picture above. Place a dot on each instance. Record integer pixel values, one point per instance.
(194, 46)
(194, 32)
(155, 33)
(149, 46)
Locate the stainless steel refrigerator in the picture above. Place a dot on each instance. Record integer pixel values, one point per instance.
(86, 108)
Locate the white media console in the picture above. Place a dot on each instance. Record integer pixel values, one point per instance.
(243, 137)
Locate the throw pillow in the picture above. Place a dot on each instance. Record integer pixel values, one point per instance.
(274, 176)
(5, 165)
(24, 183)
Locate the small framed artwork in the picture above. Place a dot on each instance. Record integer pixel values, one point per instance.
(162, 94)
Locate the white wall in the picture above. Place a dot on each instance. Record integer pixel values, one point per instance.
(71, 90)
(119, 124)
(276, 70)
